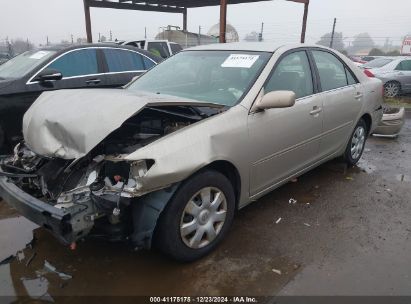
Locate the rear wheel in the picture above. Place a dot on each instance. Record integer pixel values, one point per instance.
(197, 217)
(355, 147)
(392, 89)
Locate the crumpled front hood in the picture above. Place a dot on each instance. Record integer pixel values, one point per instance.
(69, 123)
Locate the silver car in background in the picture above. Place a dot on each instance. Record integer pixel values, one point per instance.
(395, 73)
(168, 160)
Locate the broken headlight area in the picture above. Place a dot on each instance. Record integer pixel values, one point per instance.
(100, 192)
(95, 193)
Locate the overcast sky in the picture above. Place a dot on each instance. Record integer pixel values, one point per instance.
(58, 19)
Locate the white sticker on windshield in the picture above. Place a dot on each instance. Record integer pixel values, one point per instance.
(39, 54)
(240, 61)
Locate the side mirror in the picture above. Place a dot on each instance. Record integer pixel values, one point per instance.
(49, 75)
(276, 99)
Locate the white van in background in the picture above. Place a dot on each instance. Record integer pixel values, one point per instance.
(160, 48)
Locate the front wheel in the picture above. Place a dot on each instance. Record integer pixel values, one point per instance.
(356, 145)
(197, 217)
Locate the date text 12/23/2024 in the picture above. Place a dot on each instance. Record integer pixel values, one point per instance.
(239, 299)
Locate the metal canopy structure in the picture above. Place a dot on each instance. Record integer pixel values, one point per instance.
(177, 6)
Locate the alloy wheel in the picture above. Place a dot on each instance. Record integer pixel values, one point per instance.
(357, 142)
(391, 89)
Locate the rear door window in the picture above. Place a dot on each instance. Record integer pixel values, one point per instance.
(119, 60)
(331, 70)
(293, 73)
(77, 63)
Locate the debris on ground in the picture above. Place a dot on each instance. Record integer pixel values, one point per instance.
(349, 178)
(296, 266)
(294, 180)
(277, 271)
(292, 201)
(306, 224)
(278, 221)
(48, 268)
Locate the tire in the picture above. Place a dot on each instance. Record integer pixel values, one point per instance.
(392, 89)
(356, 144)
(185, 231)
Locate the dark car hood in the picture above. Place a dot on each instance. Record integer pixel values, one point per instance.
(5, 84)
(70, 123)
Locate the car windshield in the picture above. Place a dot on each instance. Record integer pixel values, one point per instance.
(221, 77)
(22, 64)
(377, 63)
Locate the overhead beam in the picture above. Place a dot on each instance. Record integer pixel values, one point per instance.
(137, 7)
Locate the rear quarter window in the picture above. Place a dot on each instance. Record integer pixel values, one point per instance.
(123, 60)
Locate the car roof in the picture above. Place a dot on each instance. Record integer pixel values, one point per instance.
(252, 46)
(61, 48)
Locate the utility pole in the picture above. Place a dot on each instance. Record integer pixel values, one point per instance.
(99, 37)
(72, 39)
(260, 36)
(145, 32)
(47, 40)
(199, 35)
(111, 35)
(333, 33)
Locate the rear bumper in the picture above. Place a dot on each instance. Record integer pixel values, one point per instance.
(391, 124)
(54, 219)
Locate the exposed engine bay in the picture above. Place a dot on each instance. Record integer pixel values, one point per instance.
(97, 191)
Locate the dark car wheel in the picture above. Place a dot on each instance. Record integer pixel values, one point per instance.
(356, 145)
(392, 89)
(197, 217)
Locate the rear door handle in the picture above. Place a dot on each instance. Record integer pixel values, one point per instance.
(93, 81)
(316, 110)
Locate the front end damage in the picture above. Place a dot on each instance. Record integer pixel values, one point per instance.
(100, 194)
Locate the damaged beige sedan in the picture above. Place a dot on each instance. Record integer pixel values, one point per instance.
(167, 160)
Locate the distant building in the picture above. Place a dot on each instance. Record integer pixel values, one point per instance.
(406, 46)
(184, 38)
(230, 36)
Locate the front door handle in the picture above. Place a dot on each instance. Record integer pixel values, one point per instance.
(93, 81)
(316, 110)
(359, 96)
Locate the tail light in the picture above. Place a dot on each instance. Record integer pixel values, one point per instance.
(369, 73)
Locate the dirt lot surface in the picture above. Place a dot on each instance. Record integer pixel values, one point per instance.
(347, 234)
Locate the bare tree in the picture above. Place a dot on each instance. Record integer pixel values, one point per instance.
(338, 43)
(20, 46)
